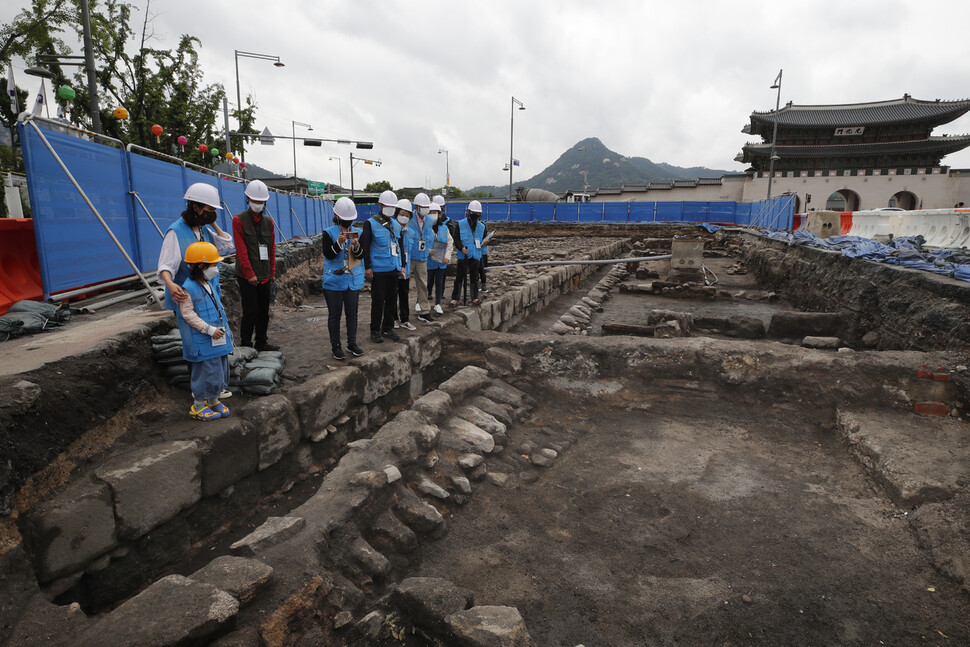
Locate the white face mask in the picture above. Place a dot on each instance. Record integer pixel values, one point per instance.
(257, 207)
(388, 211)
(210, 272)
(403, 220)
(424, 211)
(432, 218)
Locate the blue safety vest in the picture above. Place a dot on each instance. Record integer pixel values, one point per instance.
(385, 254)
(468, 239)
(425, 235)
(350, 279)
(186, 237)
(197, 346)
(441, 236)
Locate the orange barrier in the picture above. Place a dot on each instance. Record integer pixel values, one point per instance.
(846, 223)
(19, 267)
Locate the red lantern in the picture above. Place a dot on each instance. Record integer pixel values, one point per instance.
(235, 160)
(203, 148)
(157, 130)
(242, 164)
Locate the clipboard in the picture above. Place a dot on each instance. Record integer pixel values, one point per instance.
(438, 250)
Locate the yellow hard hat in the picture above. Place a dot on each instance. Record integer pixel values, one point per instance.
(202, 253)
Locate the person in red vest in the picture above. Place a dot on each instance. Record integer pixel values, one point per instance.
(255, 236)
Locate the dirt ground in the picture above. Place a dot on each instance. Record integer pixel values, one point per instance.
(684, 519)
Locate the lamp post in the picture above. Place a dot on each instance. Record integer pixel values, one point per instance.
(447, 173)
(511, 140)
(340, 171)
(358, 159)
(308, 127)
(771, 161)
(264, 57)
(586, 171)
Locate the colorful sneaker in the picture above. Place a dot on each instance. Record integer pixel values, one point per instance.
(221, 409)
(407, 325)
(475, 302)
(204, 413)
(437, 308)
(455, 303)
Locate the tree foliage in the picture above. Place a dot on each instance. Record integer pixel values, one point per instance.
(378, 187)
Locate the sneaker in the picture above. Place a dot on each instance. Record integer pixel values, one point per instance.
(455, 303)
(377, 338)
(354, 349)
(407, 325)
(221, 409)
(393, 336)
(437, 308)
(482, 289)
(418, 308)
(203, 413)
(424, 319)
(226, 393)
(338, 352)
(262, 347)
(397, 324)
(475, 302)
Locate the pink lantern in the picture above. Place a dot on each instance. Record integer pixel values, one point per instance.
(183, 140)
(242, 164)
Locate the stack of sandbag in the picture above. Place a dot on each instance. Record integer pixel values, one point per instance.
(30, 317)
(263, 373)
(167, 350)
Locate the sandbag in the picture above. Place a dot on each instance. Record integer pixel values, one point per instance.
(258, 389)
(53, 311)
(10, 328)
(31, 322)
(261, 376)
(265, 363)
(174, 370)
(165, 339)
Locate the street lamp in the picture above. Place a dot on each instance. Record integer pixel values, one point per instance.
(264, 57)
(511, 136)
(340, 171)
(308, 127)
(586, 172)
(447, 173)
(358, 159)
(774, 136)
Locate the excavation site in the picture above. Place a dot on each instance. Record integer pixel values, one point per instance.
(644, 434)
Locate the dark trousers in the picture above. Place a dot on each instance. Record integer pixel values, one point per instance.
(383, 290)
(467, 270)
(403, 288)
(345, 301)
(255, 311)
(436, 278)
(481, 269)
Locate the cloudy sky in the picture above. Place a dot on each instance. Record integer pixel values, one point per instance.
(672, 81)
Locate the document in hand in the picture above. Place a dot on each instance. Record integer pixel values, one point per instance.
(438, 250)
(489, 237)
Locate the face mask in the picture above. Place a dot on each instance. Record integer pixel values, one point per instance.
(388, 211)
(207, 217)
(210, 272)
(432, 217)
(424, 211)
(257, 207)
(403, 220)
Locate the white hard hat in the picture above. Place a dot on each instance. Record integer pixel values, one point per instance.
(256, 190)
(405, 204)
(345, 209)
(388, 199)
(439, 199)
(475, 206)
(204, 194)
(435, 207)
(422, 200)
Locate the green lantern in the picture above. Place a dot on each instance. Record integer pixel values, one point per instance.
(215, 152)
(66, 92)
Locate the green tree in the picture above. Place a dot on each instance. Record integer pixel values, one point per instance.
(378, 187)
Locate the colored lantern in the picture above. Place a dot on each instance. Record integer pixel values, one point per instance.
(66, 92)
(228, 156)
(242, 164)
(203, 148)
(157, 130)
(120, 113)
(215, 152)
(235, 160)
(183, 140)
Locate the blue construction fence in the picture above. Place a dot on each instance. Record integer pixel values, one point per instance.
(74, 250)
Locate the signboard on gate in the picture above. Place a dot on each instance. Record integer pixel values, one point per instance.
(316, 188)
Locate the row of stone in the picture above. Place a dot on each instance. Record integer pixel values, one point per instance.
(578, 320)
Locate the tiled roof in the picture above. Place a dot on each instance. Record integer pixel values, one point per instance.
(902, 110)
(938, 145)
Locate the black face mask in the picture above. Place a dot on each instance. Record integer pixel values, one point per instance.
(207, 217)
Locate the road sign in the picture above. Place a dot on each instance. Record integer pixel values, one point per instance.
(266, 137)
(316, 187)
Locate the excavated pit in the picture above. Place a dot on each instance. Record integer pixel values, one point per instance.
(711, 488)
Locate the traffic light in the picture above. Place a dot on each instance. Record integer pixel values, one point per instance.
(808, 198)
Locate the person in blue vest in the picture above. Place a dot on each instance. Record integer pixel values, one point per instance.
(343, 275)
(422, 240)
(403, 217)
(206, 338)
(381, 242)
(468, 241)
(484, 262)
(197, 224)
(437, 264)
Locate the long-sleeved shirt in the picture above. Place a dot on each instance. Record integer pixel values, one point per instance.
(171, 255)
(331, 249)
(365, 241)
(242, 252)
(188, 313)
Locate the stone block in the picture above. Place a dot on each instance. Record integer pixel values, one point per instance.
(464, 382)
(481, 419)
(65, 534)
(463, 436)
(415, 385)
(390, 527)
(426, 486)
(240, 577)
(429, 600)
(504, 393)
(489, 626)
(369, 559)
(230, 451)
(424, 349)
(506, 309)
(323, 398)
(272, 532)
(501, 412)
(532, 295)
(471, 319)
(152, 484)
(276, 425)
(502, 361)
(415, 513)
(385, 370)
(821, 342)
(175, 610)
(434, 404)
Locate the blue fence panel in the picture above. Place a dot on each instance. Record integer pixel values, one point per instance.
(495, 211)
(616, 211)
(567, 212)
(364, 211)
(273, 207)
(520, 211)
(696, 211)
(591, 211)
(287, 227)
(191, 176)
(456, 210)
(325, 215)
(543, 212)
(234, 198)
(722, 212)
(74, 249)
(670, 212)
(643, 211)
(160, 186)
(300, 220)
